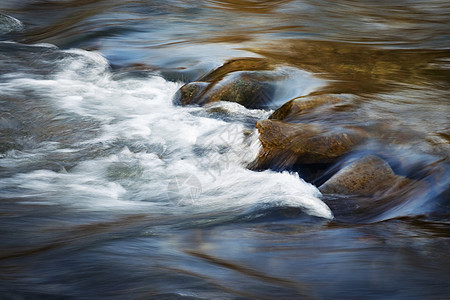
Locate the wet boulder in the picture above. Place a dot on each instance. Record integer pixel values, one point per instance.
(367, 176)
(190, 93)
(250, 89)
(247, 81)
(303, 105)
(286, 144)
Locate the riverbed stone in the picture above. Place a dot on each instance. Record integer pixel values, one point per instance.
(190, 93)
(367, 176)
(250, 89)
(248, 81)
(303, 105)
(286, 144)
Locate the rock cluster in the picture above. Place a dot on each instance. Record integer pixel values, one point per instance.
(306, 132)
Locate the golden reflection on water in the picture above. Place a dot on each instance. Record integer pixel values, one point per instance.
(357, 68)
(252, 6)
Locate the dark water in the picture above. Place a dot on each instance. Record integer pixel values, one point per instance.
(108, 190)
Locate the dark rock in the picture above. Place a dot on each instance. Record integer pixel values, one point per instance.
(249, 89)
(287, 144)
(246, 81)
(366, 176)
(190, 93)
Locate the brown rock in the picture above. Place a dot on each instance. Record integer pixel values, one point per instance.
(237, 80)
(302, 105)
(286, 144)
(248, 89)
(367, 176)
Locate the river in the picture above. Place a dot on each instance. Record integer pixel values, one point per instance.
(109, 190)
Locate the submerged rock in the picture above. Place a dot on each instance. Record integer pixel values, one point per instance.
(366, 176)
(302, 105)
(287, 144)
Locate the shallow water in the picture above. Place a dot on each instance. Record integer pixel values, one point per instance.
(109, 190)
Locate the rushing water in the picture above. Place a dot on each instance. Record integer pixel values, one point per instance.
(109, 190)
